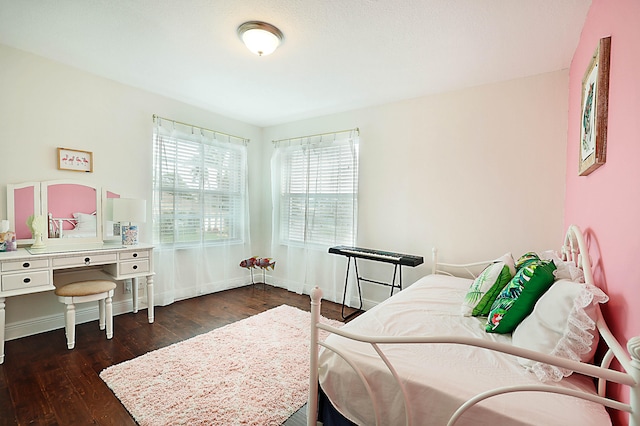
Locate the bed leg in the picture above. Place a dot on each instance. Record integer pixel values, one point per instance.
(434, 261)
(312, 404)
(633, 346)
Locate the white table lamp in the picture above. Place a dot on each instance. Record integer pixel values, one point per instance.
(129, 210)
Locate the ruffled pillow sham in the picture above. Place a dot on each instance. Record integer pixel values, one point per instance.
(562, 324)
(486, 287)
(564, 269)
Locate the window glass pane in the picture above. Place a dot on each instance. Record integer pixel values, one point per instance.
(318, 193)
(200, 188)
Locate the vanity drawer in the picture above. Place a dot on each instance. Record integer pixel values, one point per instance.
(134, 267)
(25, 280)
(24, 265)
(131, 255)
(85, 260)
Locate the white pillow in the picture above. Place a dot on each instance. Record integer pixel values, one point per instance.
(85, 222)
(565, 269)
(562, 324)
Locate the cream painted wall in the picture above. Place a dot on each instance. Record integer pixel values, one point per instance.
(45, 105)
(476, 173)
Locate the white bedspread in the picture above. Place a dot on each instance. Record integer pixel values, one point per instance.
(440, 378)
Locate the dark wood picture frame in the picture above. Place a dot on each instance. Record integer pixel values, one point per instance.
(594, 109)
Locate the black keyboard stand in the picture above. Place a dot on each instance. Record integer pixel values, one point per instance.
(397, 271)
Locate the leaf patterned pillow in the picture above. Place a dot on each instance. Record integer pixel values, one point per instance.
(518, 298)
(486, 287)
(525, 259)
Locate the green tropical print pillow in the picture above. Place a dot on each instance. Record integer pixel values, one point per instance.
(483, 307)
(525, 259)
(487, 285)
(518, 298)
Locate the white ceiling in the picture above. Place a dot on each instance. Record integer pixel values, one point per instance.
(337, 55)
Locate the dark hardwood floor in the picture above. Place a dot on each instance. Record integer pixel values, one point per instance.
(44, 383)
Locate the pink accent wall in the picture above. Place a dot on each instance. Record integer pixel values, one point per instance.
(606, 203)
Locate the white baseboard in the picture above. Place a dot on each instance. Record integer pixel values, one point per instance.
(87, 313)
(16, 330)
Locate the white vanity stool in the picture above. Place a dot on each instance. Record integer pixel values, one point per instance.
(100, 290)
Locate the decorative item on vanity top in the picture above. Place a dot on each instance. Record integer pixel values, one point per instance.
(131, 211)
(7, 238)
(38, 225)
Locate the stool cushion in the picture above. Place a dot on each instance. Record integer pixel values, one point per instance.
(85, 288)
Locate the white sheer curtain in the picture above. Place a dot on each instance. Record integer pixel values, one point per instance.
(315, 201)
(200, 211)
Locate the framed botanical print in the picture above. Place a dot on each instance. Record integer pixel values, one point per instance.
(594, 110)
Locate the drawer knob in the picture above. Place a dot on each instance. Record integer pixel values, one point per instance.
(26, 264)
(135, 266)
(135, 254)
(26, 280)
(87, 260)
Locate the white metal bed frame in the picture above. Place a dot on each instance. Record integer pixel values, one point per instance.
(575, 250)
(56, 225)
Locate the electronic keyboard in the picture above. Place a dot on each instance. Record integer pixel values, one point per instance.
(381, 256)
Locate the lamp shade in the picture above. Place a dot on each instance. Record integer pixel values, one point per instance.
(259, 37)
(129, 210)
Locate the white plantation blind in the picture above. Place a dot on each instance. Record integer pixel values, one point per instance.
(318, 188)
(199, 188)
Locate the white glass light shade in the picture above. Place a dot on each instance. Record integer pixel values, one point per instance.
(259, 37)
(129, 210)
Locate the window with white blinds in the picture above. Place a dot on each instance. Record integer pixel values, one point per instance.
(199, 189)
(318, 193)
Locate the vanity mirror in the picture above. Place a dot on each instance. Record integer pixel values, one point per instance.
(73, 211)
(111, 232)
(23, 200)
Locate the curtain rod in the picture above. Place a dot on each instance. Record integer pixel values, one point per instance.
(201, 128)
(356, 129)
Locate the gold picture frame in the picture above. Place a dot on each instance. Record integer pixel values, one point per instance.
(75, 160)
(594, 109)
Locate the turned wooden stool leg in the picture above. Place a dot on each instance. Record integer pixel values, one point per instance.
(70, 325)
(101, 314)
(109, 309)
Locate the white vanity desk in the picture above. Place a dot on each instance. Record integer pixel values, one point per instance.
(31, 271)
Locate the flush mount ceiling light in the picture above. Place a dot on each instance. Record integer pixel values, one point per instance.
(259, 37)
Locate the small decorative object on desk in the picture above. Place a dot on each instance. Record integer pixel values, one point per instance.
(7, 238)
(38, 225)
(129, 234)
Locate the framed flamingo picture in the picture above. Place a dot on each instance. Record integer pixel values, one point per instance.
(75, 160)
(594, 110)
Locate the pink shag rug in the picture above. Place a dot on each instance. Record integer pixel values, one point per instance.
(251, 372)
